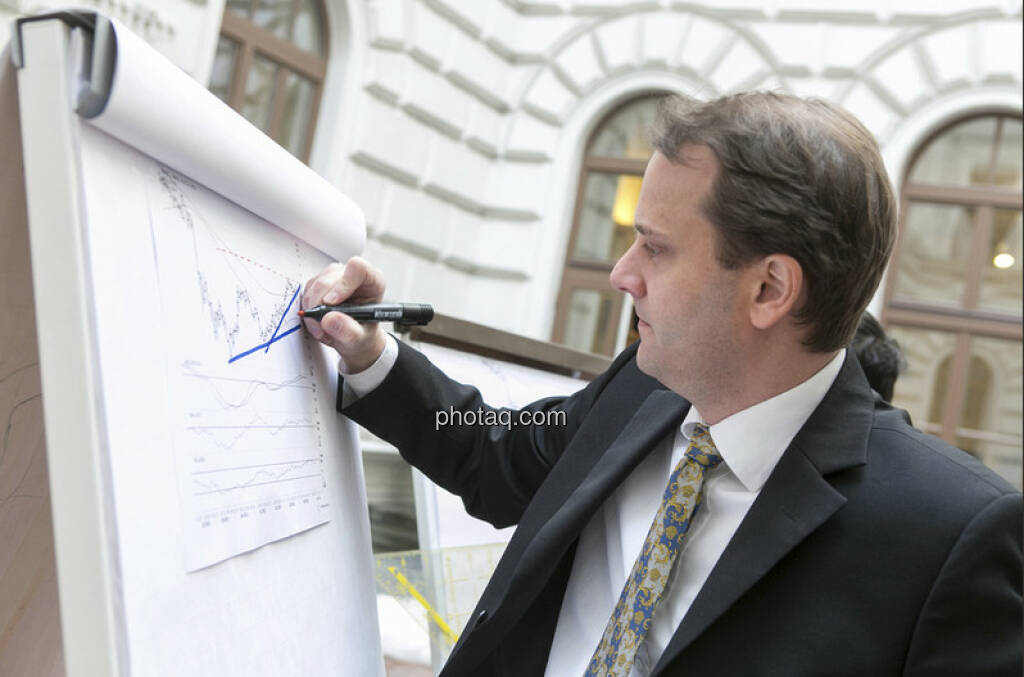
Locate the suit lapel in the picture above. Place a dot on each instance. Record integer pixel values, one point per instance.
(579, 486)
(793, 503)
(587, 473)
(652, 422)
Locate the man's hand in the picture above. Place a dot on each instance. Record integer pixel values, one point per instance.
(354, 282)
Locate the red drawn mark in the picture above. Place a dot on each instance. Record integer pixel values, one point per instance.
(254, 263)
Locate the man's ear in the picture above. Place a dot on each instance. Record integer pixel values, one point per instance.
(779, 283)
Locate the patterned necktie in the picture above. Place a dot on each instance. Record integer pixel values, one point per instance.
(631, 619)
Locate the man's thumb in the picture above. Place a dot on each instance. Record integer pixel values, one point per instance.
(343, 329)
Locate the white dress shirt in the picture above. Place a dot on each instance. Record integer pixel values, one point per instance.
(361, 383)
(750, 443)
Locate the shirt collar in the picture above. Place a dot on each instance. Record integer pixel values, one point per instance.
(752, 440)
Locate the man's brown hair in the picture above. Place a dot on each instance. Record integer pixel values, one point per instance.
(800, 177)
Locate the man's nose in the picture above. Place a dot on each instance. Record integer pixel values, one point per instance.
(624, 275)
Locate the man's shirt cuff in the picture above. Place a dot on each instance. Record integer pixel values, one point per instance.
(364, 382)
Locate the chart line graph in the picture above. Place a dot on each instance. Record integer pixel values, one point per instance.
(249, 433)
(252, 476)
(283, 315)
(248, 485)
(240, 293)
(191, 370)
(266, 344)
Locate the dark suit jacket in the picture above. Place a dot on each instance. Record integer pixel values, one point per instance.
(873, 549)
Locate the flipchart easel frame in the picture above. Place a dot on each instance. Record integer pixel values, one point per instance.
(92, 618)
(52, 99)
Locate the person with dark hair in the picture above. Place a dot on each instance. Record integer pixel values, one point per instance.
(880, 356)
(729, 497)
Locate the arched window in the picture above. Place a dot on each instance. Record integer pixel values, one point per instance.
(954, 290)
(589, 312)
(270, 66)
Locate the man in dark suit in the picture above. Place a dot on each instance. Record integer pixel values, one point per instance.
(730, 497)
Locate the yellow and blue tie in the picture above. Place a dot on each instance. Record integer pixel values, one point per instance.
(631, 618)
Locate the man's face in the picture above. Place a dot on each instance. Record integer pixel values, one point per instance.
(689, 307)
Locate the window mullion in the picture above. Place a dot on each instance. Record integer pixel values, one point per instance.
(241, 73)
(577, 214)
(996, 140)
(980, 249)
(278, 104)
(291, 20)
(311, 123)
(611, 330)
(955, 387)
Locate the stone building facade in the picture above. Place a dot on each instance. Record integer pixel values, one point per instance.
(460, 126)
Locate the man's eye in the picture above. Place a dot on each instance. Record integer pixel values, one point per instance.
(651, 250)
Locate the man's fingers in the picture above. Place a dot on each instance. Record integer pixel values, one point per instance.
(351, 279)
(314, 329)
(319, 285)
(355, 281)
(360, 282)
(342, 329)
(373, 288)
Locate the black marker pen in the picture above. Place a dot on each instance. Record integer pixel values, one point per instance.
(403, 314)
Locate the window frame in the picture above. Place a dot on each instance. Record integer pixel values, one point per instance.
(966, 321)
(252, 40)
(590, 274)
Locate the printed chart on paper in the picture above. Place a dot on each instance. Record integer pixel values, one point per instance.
(245, 407)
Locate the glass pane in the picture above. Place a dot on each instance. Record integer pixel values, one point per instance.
(223, 67)
(587, 321)
(240, 7)
(1001, 283)
(298, 106)
(936, 244)
(960, 156)
(1003, 456)
(259, 92)
(1009, 159)
(625, 133)
(922, 388)
(275, 16)
(389, 495)
(605, 229)
(308, 31)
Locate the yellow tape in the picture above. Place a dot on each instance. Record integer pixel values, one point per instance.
(404, 582)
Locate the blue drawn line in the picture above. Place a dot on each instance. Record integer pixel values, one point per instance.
(283, 315)
(264, 345)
